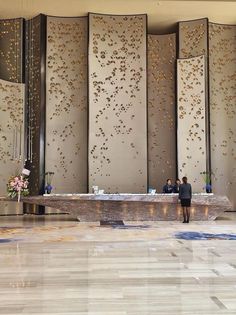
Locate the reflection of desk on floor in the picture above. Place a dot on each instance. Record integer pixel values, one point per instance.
(132, 207)
(7, 207)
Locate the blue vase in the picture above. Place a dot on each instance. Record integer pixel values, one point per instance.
(48, 189)
(208, 188)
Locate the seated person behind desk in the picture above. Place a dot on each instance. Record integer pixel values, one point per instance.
(168, 188)
(176, 186)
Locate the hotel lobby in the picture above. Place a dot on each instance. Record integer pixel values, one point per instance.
(104, 106)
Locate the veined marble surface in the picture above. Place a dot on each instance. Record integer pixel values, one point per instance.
(132, 207)
(198, 198)
(50, 265)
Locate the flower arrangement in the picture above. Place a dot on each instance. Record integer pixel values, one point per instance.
(17, 186)
(48, 182)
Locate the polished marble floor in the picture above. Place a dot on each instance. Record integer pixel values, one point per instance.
(53, 265)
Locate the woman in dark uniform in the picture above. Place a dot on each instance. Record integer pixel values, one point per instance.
(176, 186)
(168, 188)
(185, 196)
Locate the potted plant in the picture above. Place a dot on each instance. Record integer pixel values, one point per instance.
(48, 182)
(17, 186)
(207, 179)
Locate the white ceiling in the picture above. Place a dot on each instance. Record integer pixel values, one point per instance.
(162, 15)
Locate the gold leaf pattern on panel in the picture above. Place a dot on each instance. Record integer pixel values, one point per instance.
(222, 64)
(66, 122)
(192, 38)
(11, 50)
(191, 120)
(161, 109)
(11, 121)
(117, 57)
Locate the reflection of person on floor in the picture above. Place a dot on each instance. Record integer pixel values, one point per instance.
(168, 188)
(176, 186)
(185, 196)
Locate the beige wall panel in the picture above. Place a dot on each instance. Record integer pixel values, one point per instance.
(193, 38)
(66, 102)
(191, 120)
(161, 109)
(222, 62)
(11, 50)
(117, 103)
(193, 42)
(11, 131)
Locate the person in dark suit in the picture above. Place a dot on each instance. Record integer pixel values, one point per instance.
(185, 196)
(168, 188)
(176, 186)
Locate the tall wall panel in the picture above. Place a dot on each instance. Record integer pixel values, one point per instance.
(191, 120)
(117, 103)
(222, 62)
(35, 85)
(11, 131)
(66, 103)
(193, 38)
(11, 50)
(193, 42)
(161, 109)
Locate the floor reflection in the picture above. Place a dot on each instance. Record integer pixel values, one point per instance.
(56, 266)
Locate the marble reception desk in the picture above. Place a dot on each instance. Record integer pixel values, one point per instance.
(132, 207)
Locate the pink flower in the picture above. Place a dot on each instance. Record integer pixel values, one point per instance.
(17, 184)
(20, 184)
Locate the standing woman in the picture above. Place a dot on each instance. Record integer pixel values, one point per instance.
(185, 196)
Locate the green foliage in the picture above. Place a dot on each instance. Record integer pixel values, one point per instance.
(206, 177)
